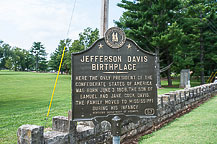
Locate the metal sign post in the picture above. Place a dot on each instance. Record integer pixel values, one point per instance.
(116, 129)
(116, 123)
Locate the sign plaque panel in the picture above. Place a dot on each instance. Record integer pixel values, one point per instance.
(113, 76)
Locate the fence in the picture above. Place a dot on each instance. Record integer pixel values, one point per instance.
(64, 131)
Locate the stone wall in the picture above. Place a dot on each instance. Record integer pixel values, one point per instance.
(64, 131)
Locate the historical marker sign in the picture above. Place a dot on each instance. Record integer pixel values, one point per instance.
(113, 76)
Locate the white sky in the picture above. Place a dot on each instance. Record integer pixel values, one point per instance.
(23, 22)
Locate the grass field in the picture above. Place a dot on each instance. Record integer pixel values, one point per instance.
(25, 97)
(196, 127)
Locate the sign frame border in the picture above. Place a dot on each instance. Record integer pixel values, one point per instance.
(94, 119)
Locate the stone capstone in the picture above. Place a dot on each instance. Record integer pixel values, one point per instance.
(30, 134)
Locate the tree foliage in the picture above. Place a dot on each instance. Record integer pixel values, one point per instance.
(147, 22)
(86, 39)
(39, 54)
(182, 32)
(56, 56)
(17, 59)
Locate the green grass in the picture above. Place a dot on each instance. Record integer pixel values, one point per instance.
(166, 90)
(25, 97)
(196, 127)
(194, 82)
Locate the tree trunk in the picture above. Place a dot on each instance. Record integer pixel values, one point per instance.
(169, 79)
(158, 67)
(202, 80)
(15, 66)
(36, 62)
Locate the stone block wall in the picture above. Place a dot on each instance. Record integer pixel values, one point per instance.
(30, 134)
(64, 131)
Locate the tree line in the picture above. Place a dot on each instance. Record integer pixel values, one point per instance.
(35, 59)
(182, 34)
(18, 59)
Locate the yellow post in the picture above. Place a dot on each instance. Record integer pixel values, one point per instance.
(210, 77)
(56, 81)
(213, 77)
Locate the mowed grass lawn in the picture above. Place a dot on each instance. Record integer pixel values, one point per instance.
(196, 127)
(25, 97)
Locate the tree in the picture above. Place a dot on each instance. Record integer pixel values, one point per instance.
(18, 59)
(15, 58)
(147, 21)
(171, 41)
(199, 26)
(8, 63)
(56, 56)
(86, 39)
(39, 53)
(1, 53)
(29, 60)
(76, 46)
(6, 53)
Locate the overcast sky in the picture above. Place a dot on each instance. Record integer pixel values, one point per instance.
(24, 21)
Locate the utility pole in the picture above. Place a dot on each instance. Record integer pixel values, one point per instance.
(104, 17)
